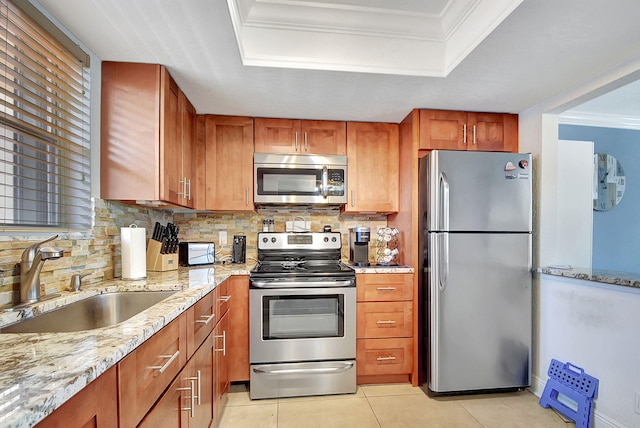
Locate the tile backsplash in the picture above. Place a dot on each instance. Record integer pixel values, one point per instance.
(98, 251)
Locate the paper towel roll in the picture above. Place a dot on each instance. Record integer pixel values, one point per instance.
(134, 254)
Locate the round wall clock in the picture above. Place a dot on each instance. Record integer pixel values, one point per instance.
(608, 182)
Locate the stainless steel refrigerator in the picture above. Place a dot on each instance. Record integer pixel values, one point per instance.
(476, 283)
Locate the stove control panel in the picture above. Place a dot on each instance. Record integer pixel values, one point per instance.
(302, 241)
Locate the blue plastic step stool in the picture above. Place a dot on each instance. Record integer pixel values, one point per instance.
(572, 382)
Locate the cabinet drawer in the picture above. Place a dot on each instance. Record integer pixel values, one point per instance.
(384, 287)
(201, 318)
(222, 299)
(384, 356)
(145, 373)
(384, 319)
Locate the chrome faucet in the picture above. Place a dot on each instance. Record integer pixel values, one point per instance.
(33, 258)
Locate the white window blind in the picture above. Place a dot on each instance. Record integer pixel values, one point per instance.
(44, 127)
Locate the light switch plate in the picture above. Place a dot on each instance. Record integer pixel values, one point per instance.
(222, 237)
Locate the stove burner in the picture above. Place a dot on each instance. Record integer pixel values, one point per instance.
(294, 265)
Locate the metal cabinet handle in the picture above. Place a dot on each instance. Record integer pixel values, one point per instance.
(464, 134)
(353, 198)
(385, 322)
(474, 134)
(225, 298)
(386, 288)
(192, 398)
(224, 343)
(246, 196)
(197, 378)
(296, 142)
(183, 183)
(389, 358)
(306, 142)
(189, 189)
(206, 320)
(166, 365)
(325, 182)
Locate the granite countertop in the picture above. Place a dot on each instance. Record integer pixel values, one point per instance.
(627, 279)
(40, 371)
(381, 269)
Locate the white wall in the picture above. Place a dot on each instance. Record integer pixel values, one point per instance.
(593, 326)
(538, 134)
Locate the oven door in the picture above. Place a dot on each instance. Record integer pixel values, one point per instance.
(302, 324)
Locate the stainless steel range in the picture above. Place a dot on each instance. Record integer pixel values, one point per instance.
(302, 317)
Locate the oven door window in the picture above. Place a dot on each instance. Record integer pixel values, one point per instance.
(299, 317)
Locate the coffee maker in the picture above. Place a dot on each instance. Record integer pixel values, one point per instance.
(239, 249)
(359, 245)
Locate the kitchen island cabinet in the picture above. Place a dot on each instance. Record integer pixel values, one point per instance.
(457, 130)
(372, 156)
(322, 137)
(145, 155)
(384, 344)
(229, 163)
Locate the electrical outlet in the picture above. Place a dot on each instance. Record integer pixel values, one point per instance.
(638, 402)
(222, 236)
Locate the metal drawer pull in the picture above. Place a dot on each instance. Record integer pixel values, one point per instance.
(386, 288)
(386, 322)
(224, 343)
(207, 320)
(198, 379)
(225, 298)
(389, 358)
(319, 370)
(166, 365)
(192, 398)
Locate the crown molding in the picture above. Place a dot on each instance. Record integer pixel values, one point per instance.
(598, 119)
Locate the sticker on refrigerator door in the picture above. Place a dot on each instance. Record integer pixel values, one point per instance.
(524, 164)
(509, 166)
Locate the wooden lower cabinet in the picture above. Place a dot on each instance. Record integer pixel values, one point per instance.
(221, 361)
(95, 406)
(384, 328)
(238, 340)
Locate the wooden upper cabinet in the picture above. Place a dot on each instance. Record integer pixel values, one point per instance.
(300, 136)
(229, 163)
(144, 152)
(455, 130)
(372, 162)
(187, 128)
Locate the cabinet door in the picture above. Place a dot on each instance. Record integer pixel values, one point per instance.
(170, 140)
(443, 129)
(384, 356)
(172, 409)
(95, 406)
(200, 370)
(373, 152)
(277, 135)
(130, 131)
(229, 163)
(187, 143)
(221, 361)
(492, 132)
(201, 318)
(323, 137)
(238, 340)
(384, 320)
(384, 287)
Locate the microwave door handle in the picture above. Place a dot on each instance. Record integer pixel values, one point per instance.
(325, 181)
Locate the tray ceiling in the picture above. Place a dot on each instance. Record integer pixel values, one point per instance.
(403, 37)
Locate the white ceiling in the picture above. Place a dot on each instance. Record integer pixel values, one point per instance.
(543, 47)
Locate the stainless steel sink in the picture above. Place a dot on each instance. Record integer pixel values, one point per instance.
(102, 310)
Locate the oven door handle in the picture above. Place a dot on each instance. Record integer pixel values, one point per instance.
(319, 370)
(302, 284)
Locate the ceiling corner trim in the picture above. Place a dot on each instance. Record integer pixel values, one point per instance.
(328, 36)
(600, 120)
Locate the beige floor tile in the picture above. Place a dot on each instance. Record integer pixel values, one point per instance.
(390, 389)
(255, 416)
(345, 413)
(517, 410)
(419, 411)
(239, 396)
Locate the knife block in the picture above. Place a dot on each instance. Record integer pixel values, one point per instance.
(160, 262)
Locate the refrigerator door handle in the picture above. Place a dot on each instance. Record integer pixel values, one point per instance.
(444, 202)
(443, 261)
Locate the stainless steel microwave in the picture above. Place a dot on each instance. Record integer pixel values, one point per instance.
(316, 180)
